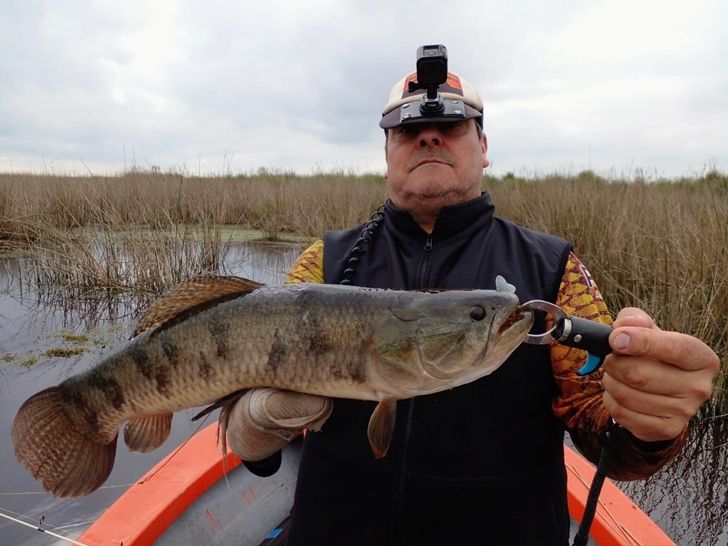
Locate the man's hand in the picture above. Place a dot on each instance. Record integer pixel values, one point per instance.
(655, 381)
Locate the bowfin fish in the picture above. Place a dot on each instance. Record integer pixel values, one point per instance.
(325, 340)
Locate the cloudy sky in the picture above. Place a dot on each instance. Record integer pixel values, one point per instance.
(622, 87)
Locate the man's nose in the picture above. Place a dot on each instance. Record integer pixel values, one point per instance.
(429, 136)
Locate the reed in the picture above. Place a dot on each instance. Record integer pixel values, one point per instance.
(659, 245)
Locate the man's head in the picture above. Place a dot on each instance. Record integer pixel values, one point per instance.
(434, 158)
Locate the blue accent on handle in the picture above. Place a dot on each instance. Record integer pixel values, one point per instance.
(592, 363)
(274, 533)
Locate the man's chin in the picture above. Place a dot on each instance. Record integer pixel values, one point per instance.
(436, 194)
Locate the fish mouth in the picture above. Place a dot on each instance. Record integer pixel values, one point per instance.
(514, 318)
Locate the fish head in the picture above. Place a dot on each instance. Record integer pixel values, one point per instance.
(453, 337)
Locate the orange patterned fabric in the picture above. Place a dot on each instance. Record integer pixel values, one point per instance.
(309, 266)
(578, 399)
(578, 295)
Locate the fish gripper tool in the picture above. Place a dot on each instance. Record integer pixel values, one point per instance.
(572, 331)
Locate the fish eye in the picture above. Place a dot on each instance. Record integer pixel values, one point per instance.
(477, 312)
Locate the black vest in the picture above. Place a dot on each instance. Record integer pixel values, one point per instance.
(479, 464)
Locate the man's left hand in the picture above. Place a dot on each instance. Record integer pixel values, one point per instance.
(655, 381)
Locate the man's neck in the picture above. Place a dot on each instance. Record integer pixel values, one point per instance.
(426, 220)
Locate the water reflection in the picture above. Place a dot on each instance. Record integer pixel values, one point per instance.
(689, 497)
(261, 261)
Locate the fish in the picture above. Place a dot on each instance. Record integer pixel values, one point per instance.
(232, 334)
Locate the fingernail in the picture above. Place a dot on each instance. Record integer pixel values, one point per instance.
(621, 342)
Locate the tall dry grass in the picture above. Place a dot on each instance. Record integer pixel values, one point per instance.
(661, 246)
(272, 203)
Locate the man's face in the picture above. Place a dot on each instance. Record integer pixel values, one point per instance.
(431, 165)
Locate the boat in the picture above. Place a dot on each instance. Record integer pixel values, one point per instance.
(197, 496)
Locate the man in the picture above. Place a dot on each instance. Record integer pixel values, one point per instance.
(482, 463)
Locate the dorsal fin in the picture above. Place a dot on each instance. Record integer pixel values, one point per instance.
(192, 296)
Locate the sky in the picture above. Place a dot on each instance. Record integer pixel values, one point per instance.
(624, 88)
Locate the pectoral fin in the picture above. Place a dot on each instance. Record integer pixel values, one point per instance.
(381, 427)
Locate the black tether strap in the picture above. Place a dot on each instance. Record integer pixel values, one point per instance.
(582, 535)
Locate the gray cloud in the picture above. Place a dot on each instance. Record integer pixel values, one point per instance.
(282, 84)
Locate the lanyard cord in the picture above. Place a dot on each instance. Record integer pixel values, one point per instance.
(362, 244)
(582, 535)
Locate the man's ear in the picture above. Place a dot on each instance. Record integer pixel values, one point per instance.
(484, 147)
(386, 153)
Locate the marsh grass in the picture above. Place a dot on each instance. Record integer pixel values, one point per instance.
(659, 245)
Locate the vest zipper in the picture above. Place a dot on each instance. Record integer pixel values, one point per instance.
(421, 284)
(425, 269)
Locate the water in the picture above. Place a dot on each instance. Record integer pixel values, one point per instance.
(30, 324)
(688, 498)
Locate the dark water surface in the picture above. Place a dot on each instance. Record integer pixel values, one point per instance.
(30, 324)
(688, 498)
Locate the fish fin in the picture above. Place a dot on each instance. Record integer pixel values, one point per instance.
(502, 285)
(226, 404)
(68, 462)
(223, 420)
(381, 427)
(191, 297)
(221, 403)
(146, 433)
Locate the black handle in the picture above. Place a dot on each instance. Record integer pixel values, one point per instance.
(588, 335)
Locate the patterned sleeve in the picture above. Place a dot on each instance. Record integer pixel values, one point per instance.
(578, 402)
(309, 266)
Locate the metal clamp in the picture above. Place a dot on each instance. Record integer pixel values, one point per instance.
(554, 310)
(572, 331)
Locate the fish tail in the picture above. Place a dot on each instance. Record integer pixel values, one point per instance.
(68, 462)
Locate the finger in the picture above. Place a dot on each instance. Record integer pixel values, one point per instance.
(649, 428)
(649, 403)
(651, 376)
(632, 316)
(674, 348)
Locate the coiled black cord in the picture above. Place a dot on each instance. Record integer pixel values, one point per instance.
(362, 244)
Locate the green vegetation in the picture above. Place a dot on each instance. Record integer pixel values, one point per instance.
(74, 338)
(661, 245)
(29, 361)
(64, 352)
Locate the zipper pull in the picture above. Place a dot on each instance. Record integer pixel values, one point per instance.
(428, 244)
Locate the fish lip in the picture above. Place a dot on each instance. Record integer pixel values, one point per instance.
(512, 322)
(516, 316)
